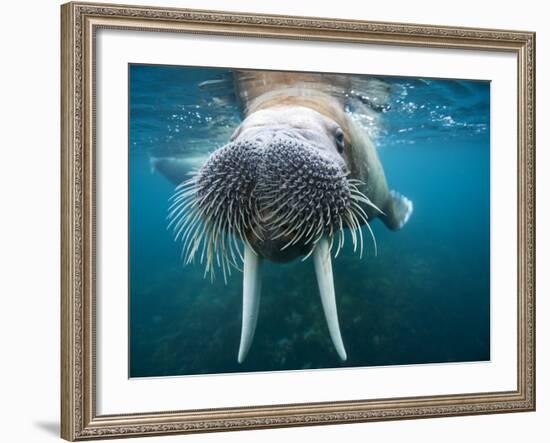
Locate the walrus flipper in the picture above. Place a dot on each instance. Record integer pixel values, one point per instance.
(397, 211)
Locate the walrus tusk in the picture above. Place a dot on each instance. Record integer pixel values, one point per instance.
(325, 280)
(252, 286)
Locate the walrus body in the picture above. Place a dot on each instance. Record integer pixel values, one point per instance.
(296, 174)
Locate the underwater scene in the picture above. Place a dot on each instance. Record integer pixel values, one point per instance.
(418, 294)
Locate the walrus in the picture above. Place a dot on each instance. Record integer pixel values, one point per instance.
(296, 174)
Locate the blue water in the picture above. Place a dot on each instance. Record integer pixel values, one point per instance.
(425, 298)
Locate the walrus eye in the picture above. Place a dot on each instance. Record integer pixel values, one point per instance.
(339, 140)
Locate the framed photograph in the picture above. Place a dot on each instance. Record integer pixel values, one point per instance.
(283, 221)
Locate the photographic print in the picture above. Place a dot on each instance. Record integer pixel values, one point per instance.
(302, 221)
(341, 232)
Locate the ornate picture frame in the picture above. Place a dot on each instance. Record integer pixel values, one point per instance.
(80, 23)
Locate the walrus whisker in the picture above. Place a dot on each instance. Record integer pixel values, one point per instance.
(210, 252)
(283, 233)
(312, 249)
(373, 239)
(177, 214)
(194, 245)
(267, 218)
(300, 233)
(281, 220)
(206, 248)
(210, 205)
(244, 238)
(361, 216)
(341, 236)
(196, 240)
(215, 241)
(189, 224)
(358, 228)
(176, 204)
(230, 246)
(216, 228)
(318, 232)
(296, 203)
(220, 249)
(360, 234)
(292, 241)
(183, 190)
(190, 189)
(357, 207)
(329, 218)
(359, 213)
(296, 228)
(290, 228)
(238, 230)
(222, 253)
(209, 269)
(305, 257)
(352, 228)
(226, 270)
(194, 222)
(331, 243)
(287, 218)
(319, 228)
(183, 187)
(176, 219)
(238, 249)
(258, 236)
(227, 242)
(186, 184)
(234, 257)
(304, 228)
(271, 204)
(216, 210)
(310, 234)
(184, 223)
(331, 231)
(187, 227)
(311, 227)
(229, 252)
(182, 195)
(359, 196)
(338, 244)
(213, 254)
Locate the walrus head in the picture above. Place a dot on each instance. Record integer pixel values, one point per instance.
(279, 189)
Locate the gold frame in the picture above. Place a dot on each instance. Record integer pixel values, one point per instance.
(79, 22)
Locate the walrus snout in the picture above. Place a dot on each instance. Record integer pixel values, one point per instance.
(282, 197)
(279, 193)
